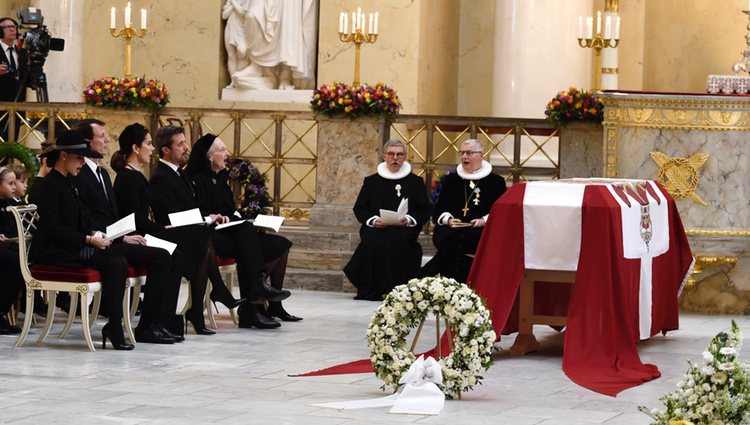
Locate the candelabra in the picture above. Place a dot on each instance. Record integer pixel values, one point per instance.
(358, 35)
(128, 32)
(744, 63)
(599, 41)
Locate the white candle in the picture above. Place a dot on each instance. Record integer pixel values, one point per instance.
(341, 22)
(608, 28)
(127, 16)
(598, 23)
(143, 19)
(376, 23)
(346, 22)
(617, 28)
(354, 22)
(370, 27)
(580, 27)
(362, 21)
(748, 5)
(112, 19)
(589, 27)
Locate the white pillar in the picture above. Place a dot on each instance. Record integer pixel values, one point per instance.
(537, 54)
(610, 69)
(64, 70)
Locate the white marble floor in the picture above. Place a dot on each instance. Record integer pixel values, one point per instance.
(240, 376)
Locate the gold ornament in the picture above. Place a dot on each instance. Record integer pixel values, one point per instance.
(680, 175)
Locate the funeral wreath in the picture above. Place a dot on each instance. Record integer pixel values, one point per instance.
(406, 305)
(714, 393)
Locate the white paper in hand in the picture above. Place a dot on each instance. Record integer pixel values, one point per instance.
(120, 228)
(394, 217)
(155, 242)
(229, 224)
(185, 218)
(272, 222)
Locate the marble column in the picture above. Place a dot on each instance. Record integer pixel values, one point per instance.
(64, 70)
(536, 54)
(348, 151)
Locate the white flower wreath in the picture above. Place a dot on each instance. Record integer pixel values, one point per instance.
(467, 317)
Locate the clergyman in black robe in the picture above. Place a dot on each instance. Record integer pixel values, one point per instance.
(388, 254)
(461, 211)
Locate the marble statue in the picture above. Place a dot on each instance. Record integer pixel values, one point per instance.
(270, 43)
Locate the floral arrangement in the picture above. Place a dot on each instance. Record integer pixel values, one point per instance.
(438, 186)
(255, 197)
(343, 99)
(715, 393)
(406, 305)
(575, 105)
(125, 93)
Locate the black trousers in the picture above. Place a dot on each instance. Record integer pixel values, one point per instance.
(163, 278)
(114, 270)
(11, 282)
(242, 243)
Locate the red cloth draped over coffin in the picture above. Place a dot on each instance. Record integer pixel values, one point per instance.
(616, 300)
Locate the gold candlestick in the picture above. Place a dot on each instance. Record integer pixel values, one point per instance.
(357, 37)
(598, 43)
(128, 33)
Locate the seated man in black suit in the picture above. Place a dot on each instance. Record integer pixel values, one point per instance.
(173, 191)
(95, 191)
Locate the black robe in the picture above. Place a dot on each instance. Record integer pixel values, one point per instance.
(455, 245)
(11, 282)
(387, 257)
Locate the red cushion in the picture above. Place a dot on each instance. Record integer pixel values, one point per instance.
(137, 271)
(225, 261)
(65, 274)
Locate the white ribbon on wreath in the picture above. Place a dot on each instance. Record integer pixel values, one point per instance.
(420, 394)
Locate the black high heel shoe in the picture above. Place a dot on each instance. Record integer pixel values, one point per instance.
(277, 310)
(227, 299)
(116, 338)
(198, 323)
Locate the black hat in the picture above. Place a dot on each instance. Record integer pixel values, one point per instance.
(198, 160)
(73, 141)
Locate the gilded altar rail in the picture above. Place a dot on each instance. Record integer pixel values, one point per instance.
(283, 145)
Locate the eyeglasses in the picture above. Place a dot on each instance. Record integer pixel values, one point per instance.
(8, 27)
(395, 154)
(468, 153)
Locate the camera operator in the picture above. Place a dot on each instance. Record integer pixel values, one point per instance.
(13, 62)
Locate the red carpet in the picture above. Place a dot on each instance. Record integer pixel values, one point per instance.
(364, 365)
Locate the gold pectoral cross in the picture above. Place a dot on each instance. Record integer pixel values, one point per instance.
(465, 210)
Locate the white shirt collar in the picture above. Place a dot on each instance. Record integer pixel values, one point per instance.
(91, 164)
(6, 46)
(170, 165)
(481, 173)
(385, 173)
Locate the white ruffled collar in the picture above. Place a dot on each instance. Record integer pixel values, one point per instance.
(481, 173)
(385, 173)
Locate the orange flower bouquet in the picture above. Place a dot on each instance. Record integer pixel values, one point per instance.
(126, 93)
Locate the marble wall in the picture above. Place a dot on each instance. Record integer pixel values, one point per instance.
(439, 54)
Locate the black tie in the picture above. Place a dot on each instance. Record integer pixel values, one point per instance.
(101, 181)
(186, 180)
(12, 66)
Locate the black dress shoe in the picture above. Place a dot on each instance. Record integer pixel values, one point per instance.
(165, 331)
(251, 317)
(274, 295)
(277, 310)
(198, 323)
(6, 328)
(152, 334)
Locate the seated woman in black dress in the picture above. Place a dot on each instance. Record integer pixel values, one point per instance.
(133, 196)
(62, 237)
(12, 282)
(207, 168)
